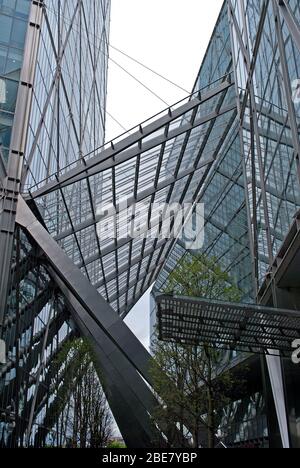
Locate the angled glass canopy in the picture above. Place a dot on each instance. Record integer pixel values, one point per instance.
(165, 160)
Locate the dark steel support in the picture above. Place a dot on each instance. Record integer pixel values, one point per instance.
(121, 356)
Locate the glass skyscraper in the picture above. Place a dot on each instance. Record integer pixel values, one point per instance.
(53, 80)
(68, 269)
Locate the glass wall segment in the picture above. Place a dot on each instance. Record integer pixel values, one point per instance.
(13, 27)
(67, 120)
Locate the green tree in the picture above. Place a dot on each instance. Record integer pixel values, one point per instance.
(83, 418)
(115, 444)
(194, 382)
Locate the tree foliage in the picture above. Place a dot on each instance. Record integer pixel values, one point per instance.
(194, 382)
(201, 276)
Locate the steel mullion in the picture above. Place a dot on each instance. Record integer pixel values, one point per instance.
(124, 310)
(156, 189)
(56, 76)
(116, 231)
(97, 238)
(279, 143)
(125, 156)
(137, 172)
(75, 235)
(290, 20)
(178, 165)
(95, 84)
(28, 350)
(126, 288)
(39, 302)
(111, 248)
(124, 268)
(257, 139)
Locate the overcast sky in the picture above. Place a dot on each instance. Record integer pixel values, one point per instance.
(171, 37)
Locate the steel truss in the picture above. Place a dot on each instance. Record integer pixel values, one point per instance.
(123, 361)
(172, 149)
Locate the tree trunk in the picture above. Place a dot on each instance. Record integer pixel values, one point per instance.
(196, 438)
(211, 420)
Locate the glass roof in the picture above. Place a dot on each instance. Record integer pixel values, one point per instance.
(164, 161)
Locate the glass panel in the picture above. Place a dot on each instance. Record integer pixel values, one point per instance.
(5, 29)
(18, 33)
(8, 94)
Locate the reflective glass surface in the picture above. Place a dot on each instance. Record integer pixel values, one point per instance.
(13, 27)
(66, 120)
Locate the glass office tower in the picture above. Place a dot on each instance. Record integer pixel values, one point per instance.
(53, 80)
(252, 196)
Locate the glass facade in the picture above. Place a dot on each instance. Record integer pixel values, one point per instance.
(67, 119)
(13, 27)
(224, 190)
(271, 164)
(157, 158)
(251, 196)
(68, 115)
(258, 180)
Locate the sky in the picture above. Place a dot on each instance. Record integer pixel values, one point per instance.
(170, 37)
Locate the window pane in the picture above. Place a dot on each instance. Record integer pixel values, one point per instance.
(6, 121)
(7, 6)
(18, 33)
(14, 63)
(5, 29)
(22, 8)
(3, 53)
(8, 94)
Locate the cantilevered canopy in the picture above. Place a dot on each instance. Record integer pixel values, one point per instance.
(166, 160)
(240, 327)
